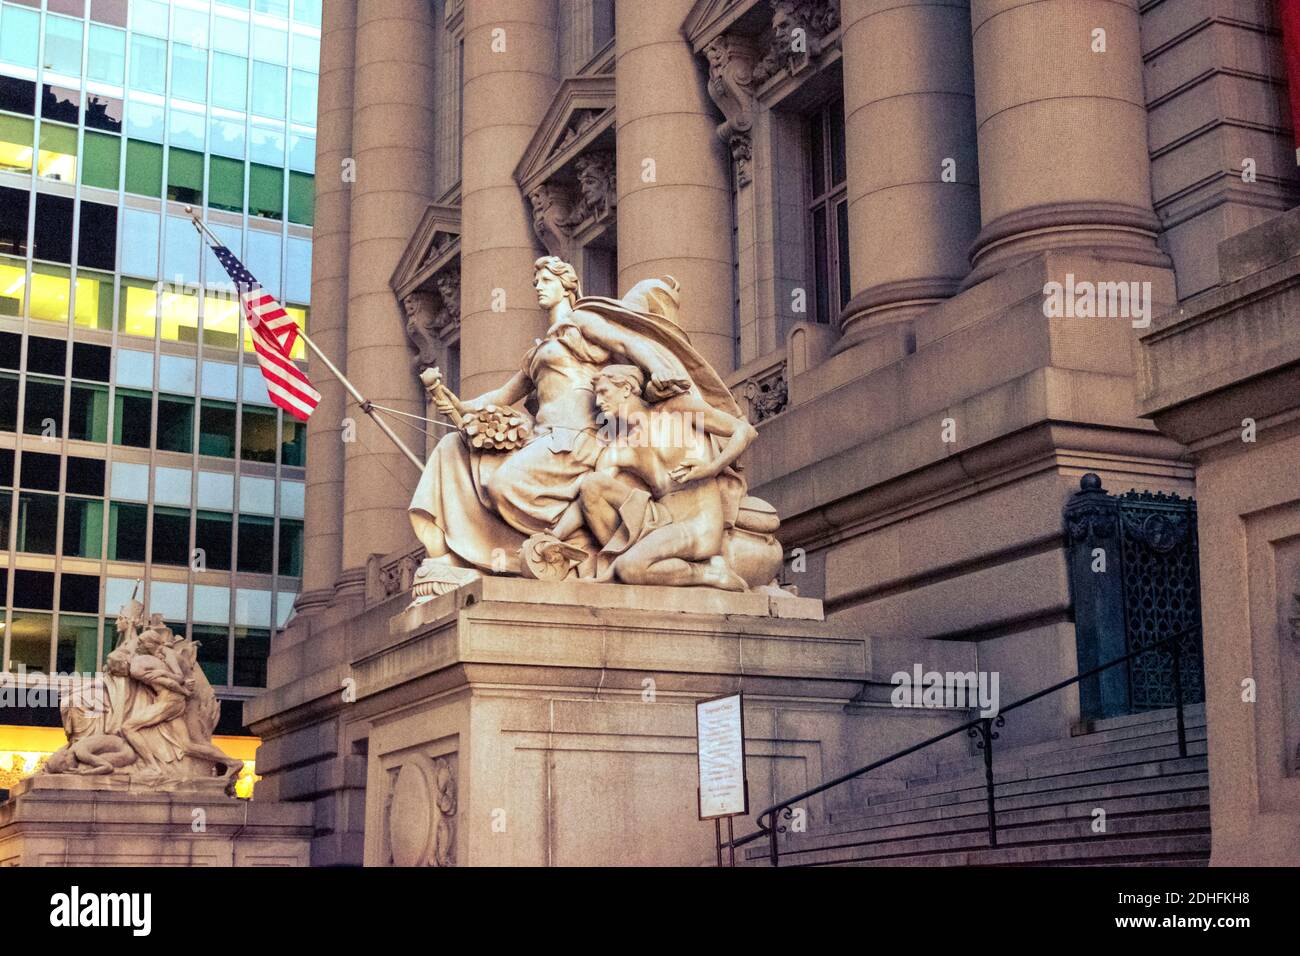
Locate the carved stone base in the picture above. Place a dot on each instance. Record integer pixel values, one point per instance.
(73, 820)
(517, 722)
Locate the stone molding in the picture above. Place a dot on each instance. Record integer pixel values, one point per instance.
(427, 284)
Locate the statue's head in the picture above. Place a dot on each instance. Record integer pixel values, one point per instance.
(618, 389)
(555, 281)
(61, 761)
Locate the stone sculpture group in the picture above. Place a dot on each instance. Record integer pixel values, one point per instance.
(148, 719)
(625, 471)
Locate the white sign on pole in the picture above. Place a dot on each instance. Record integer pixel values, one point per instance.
(720, 743)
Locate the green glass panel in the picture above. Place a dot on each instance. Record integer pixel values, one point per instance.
(185, 176)
(59, 139)
(103, 160)
(143, 168)
(226, 184)
(16, 135)
(302, 198)
(265, 191)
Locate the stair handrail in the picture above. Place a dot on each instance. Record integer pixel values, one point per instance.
(983, 727)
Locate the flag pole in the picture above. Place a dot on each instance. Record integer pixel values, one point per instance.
(351, 389)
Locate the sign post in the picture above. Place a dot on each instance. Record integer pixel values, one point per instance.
(720, 749)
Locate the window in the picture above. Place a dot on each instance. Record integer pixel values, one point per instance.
(257, 437)
(52, 239)
(102, 164)
(307, 11)
(13, 223)
(302, 198)
(17, 96)
(109, 11)
(144, 120)
(217, 429)
(79, 593)
(8, 405)
(252, 647)
(256, 544)
(189, 72)
(43, 411)
(181, 259)
(29, 634)
(131, 418)
(268, 89)
(828, 211)
(97, 237)
(57, 157)
(107, 58)
(62, 45)
(214, 648)
(185, 176)
(83, 528)
(226, 184)
(226, 138)
(105, 113)
(16, 137)
(171, 536)
(265, 192)
(88, 413)
(138, 309)
(212, 533)
(221, 320)
(175, 423)
(40, 472)
(94, 308)
(303, 98)
(91, 361)
(128, 526)
(290, 548)
(46, 356)
(149, 63)
(293, 447)
(143, 168)
(180, 313)
(50, 287)
(19, 35)
(38, 517)
(77, 642)
(229, 81)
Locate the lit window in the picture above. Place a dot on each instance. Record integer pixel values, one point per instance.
(299, 314)
(50, 293)
(138, 310)
(16, 137)
(94, 303)
(57, 159)
(180, 316)
(221, 320)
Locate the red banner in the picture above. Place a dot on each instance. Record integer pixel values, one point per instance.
(1290, 10)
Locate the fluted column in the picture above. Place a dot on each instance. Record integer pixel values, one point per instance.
(913, 178)
(393, 145)
(1062, 131)
(323, 533)
(674, 188)
(510, 77)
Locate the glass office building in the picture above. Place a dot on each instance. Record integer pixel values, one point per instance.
(137, 441)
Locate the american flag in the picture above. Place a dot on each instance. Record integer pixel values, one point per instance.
(273, 332)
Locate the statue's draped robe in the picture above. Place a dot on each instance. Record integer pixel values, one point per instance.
(487, 503)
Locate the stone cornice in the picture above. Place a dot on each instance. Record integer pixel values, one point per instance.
(434, 245)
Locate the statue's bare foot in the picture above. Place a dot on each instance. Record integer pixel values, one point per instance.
(435, 577)
(718, 574)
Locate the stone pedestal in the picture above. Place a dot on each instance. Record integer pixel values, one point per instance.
(516, 722)
(1223, 377)
(66, 820)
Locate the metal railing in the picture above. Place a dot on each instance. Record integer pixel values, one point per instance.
(982, 730)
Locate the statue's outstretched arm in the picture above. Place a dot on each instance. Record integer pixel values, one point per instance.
(663, 379)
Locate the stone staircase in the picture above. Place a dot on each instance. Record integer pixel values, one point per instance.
(1157, 806)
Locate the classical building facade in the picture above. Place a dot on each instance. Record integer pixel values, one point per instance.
(920, 239)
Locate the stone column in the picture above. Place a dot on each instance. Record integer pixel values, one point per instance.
(679, 222)
(510, 77)
(393, 145)
(913, 178)
(1062, 131)
(323, 534)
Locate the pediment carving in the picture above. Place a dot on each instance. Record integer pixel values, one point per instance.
(427, 284)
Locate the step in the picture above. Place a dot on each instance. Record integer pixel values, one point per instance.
(1049, 765)
(1190, 711)
(1177, 801)
(1190, 849)
(1097, 793)
(1124, 738)
(1174, 823)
